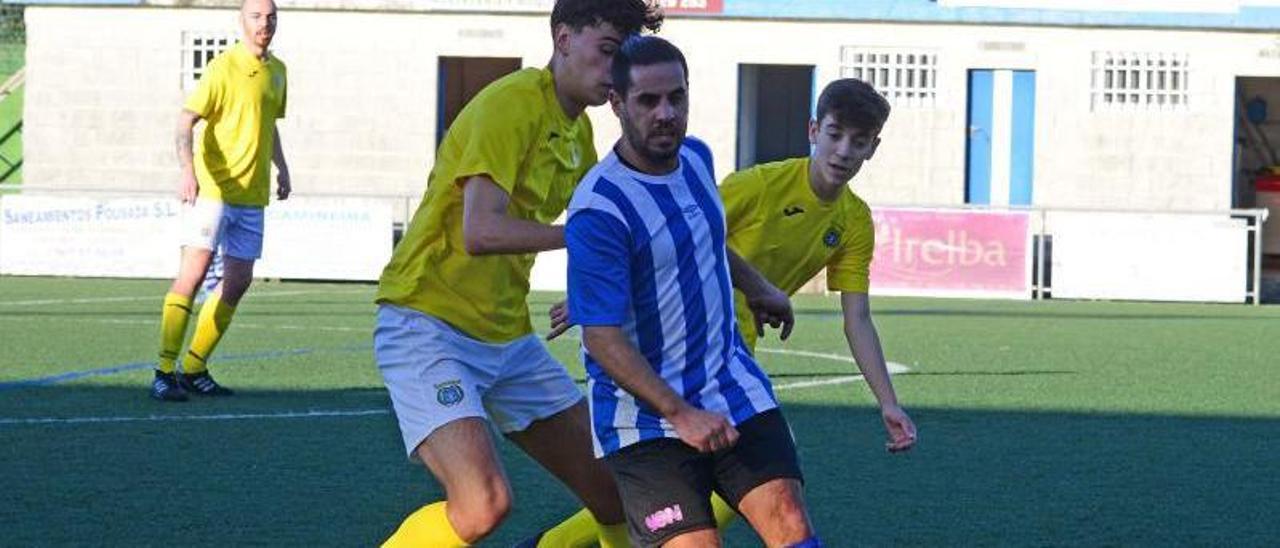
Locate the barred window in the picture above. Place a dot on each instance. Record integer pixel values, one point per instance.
(198, 48)
(906, 77)
(1139, 81)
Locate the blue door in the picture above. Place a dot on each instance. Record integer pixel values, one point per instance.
(1001, 142)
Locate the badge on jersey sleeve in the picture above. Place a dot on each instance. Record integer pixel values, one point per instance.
(832, 238)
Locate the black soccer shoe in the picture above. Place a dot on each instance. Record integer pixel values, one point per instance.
(165, 387)
(204, 385)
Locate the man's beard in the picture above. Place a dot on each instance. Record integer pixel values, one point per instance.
(652, 155)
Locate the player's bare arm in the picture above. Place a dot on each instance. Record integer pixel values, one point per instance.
(187, 187)
(768, 304)
(702, 430)
(864, 343)
(488, 230)
(284, 185)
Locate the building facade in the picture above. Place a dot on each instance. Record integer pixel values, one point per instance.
(994, 102)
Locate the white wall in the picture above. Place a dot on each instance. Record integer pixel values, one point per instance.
(361, 117)
(104, 89)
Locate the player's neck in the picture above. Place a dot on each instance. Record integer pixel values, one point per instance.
(259, 52)
(571, 107)
(637, 162)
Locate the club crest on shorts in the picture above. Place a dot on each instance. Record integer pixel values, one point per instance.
(832, 238)
(449, 393)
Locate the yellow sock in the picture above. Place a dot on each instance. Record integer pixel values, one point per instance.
(215, 316)
(614, 536)
(427, 527)
(173, 327)
(723, 512)
(579, 531)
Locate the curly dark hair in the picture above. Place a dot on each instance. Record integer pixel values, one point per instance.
(627, 16)
(853, 103)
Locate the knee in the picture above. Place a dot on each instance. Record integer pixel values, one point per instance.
(793, 520)
(480, 510)
(234, 289)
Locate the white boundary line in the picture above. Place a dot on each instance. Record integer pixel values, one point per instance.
(156, 321)
(218, 417)
(807, 354)
(159, 297)
(894, 369)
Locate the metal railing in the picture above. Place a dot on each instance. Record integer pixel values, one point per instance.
(9, 166)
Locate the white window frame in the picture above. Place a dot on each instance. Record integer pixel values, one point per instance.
(905, 76)
(198, 48)
(1140, 81)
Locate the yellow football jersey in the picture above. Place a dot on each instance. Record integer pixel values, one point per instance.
(777, 224)
(515, 132)
(240, 97)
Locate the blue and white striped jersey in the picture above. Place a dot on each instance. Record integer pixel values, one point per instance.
(647, 253)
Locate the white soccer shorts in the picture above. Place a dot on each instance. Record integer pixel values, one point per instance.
(436, 374)
(208, 223)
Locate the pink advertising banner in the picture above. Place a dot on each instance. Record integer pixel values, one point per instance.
(692, 6)
(960, 253)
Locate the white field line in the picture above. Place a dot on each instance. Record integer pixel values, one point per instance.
(156, 322)
(806, 353)
(217, 417)
(159, 297)
(894, 369)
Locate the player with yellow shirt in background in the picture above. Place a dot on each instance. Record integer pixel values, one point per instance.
(226, 185)
(790, 219)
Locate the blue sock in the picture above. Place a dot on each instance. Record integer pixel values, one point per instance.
(811, 542)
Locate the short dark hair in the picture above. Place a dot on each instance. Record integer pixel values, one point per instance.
(642, 51)
(853, 103)
(627, 16)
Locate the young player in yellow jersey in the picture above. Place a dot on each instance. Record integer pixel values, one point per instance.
(792, 218)
(226, 185)
(453, 340)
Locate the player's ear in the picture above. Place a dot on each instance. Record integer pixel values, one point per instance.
(813, 131)
(615, 101)
(560, 39)
(874, 145)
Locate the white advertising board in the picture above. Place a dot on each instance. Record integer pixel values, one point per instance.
(326, 239)
(66, 236)
(1148, 256)
(304, 238)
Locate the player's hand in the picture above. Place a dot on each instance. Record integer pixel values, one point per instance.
(560, 321)
(902, 432)
(188, 188)
(704, 430)
(772, 307)
(283, 185)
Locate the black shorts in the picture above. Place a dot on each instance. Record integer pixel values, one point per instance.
(666, 485)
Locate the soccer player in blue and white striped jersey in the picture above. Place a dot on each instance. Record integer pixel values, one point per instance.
(679, 408)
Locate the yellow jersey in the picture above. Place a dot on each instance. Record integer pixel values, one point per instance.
(778, 225)
(240, 97)
(515, 132)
